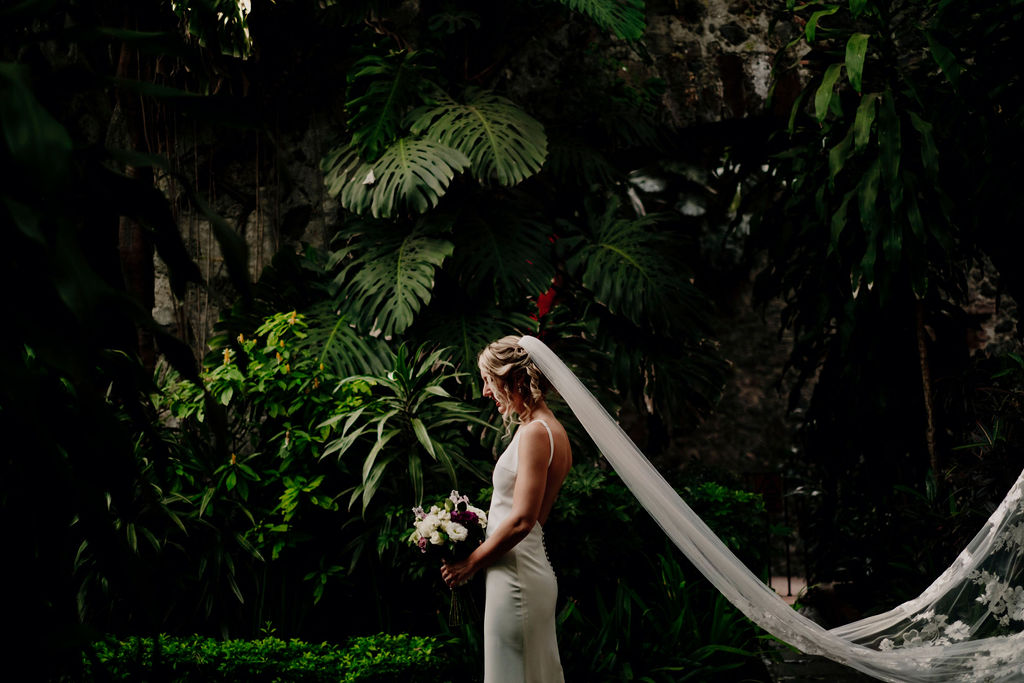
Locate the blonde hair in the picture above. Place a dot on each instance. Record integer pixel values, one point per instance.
(515, 376)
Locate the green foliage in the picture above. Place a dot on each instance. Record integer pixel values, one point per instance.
(218, 25)
(503, 143)
(502, 253)
(625, 18)
(382, 174)
(386, 274)
(72, 381)
(206, 503)
(410, 416)
(381, 91)
(874, 234)
(632, 282)
(411, 174)
(382, 657)
(256, 497)
(468, 329)
(646, 615)
(631, 266)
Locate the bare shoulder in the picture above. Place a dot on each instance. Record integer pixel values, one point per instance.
(535, 436)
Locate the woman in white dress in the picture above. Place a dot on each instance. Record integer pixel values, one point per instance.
(519, 614)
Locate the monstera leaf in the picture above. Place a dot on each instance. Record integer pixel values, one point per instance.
(624, 18)
(502, 252)
(503, 143)
(412, 173)
(574, 161)
(387, 275)
(634, 270)
(381, 91)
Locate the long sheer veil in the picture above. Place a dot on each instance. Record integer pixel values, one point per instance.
(967, 626)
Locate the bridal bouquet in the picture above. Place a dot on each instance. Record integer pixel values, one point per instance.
(451, 530)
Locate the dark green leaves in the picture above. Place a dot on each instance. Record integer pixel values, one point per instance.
(387, 275)
(945, 59)
(411, 175)
(503, 143)
(826, 90)
(502, 253)
(863, 120)
(889, 138)
(38, 144)
(811, 29)
(625, 18)
(381, 91)
(631, 266)
(856, 50)
(489, 135)
(412, 419)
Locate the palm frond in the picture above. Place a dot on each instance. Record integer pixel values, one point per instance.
(502, 252)
(503, 143)
(625, 18)
(411, 174)
(387, 275)
(381, 90)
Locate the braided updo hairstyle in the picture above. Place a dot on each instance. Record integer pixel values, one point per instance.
(515, 375)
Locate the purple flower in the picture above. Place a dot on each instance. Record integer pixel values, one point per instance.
(464, 517)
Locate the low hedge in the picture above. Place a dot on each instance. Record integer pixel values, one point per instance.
(378, 659)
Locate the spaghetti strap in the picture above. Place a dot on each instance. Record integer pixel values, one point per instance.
(551, 439)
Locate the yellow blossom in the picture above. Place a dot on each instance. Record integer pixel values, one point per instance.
(234, 459)
(291, 320)
(279, 357)
(287, 367)
(241, 338)
(282, 343)
(227, 356)
(316, 382)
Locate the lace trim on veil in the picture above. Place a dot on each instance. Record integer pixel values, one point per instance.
(967, 626)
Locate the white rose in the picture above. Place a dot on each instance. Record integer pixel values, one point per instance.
(435, 538)
(456, 531)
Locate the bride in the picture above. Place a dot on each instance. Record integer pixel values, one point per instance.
(519, 612)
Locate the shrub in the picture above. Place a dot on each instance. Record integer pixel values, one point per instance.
(379, 658)
(646, 614)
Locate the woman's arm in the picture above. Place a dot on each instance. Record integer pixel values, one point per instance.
(531, 482)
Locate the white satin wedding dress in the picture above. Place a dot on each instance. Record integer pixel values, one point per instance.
(519, 613)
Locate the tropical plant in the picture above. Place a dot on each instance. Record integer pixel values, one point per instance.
(409, 417)
(386, 274)
(444, 148)
(914, 107)
(647, 615)
(74, 376)
(402, 656)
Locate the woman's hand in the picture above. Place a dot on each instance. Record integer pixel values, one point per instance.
(457, 573)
